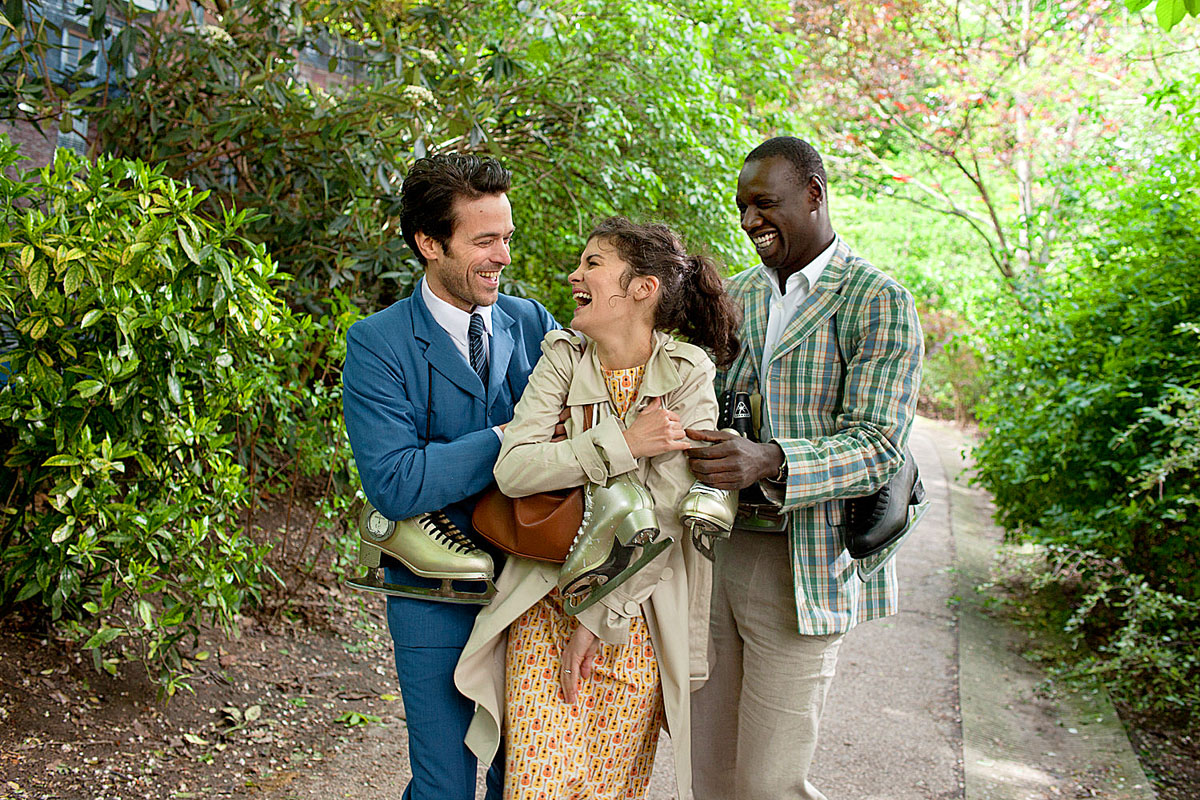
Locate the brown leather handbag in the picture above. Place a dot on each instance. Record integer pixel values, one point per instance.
(540, 526)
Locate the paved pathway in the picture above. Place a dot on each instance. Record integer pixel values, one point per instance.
(893, 728)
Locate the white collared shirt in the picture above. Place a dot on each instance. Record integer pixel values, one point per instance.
(784, 304)
(456, 322)
(783, 308)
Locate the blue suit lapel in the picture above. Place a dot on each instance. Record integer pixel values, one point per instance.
(440, 350)
(501, 353)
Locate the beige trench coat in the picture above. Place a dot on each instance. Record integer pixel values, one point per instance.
(673, 591)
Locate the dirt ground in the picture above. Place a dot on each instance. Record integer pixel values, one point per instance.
(274, 703)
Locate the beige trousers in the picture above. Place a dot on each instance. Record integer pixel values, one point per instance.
(754, 723)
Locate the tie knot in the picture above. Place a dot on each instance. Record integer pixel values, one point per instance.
(476, 327)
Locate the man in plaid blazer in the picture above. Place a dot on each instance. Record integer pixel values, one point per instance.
(834, 347)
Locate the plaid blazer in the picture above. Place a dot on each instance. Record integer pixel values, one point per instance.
(839, 397)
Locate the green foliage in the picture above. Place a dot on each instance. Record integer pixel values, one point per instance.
(598, 108)
(1084, 399)
(1093, 427)
(1168, 13)
(140, 332)
(33, 87)
(1141, 643)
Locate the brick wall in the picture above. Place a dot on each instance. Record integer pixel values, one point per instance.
(38, 148)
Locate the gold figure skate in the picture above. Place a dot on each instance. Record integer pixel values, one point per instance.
(431, 546)
(707, 514)
(618, 518)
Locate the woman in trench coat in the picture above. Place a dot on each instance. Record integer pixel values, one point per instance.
(580, 700)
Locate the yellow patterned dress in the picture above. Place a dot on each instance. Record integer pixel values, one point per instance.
(601, 748)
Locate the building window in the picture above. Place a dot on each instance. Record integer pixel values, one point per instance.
(75, 48)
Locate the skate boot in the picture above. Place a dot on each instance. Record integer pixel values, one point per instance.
(431, 546)
(707, 514)
(618, 519)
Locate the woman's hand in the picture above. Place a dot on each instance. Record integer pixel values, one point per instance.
(577, 659)
(655, 431)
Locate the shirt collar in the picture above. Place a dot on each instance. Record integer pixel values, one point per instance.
(810, 274)
(452, 319)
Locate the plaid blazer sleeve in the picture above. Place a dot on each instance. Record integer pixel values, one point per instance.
(882, 345)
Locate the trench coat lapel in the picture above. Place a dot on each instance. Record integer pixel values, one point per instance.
(660, 377)
(440, 351)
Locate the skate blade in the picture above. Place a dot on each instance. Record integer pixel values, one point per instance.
(446, 593)
(866, 567)
(574, 606)
(704, 541)
(707, 524)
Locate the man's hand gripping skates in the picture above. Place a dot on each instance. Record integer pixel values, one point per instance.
(431, 546)
(618, 518)
(708, 513)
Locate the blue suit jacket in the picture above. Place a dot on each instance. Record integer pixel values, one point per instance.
(418, 417)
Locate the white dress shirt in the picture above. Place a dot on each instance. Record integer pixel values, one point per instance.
(456, 322)
(784, 305)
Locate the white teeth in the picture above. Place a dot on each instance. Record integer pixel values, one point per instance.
(764, 239)
(581, 296)
(489, 275)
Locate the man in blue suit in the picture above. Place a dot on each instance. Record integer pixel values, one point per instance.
(429, 384)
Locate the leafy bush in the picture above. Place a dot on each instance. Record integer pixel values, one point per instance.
(1143, 644)
(142, 333)
(1093, 422)
(1083, 405)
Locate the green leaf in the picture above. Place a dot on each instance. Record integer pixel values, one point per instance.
(103, 637)
(73, 280)
(175, 388)
(39, 328)
(89, 387)
(62, 532)
(1137, 5)
(62, 460)
(39, 274)
(27, 591)
(188, 249)
(1169, 13)
(145, 611)
(91, 318)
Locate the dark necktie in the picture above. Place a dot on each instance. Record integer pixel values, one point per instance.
(477, 345)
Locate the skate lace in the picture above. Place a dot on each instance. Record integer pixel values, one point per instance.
(704, 488)
(583, 524)
(439, 526)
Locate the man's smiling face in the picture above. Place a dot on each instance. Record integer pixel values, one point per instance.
(780, 213)
(466, 271)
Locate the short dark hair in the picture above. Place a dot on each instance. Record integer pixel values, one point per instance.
(434, 183)
(804, 157)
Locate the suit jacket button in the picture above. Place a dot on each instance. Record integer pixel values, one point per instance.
(631, 608)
